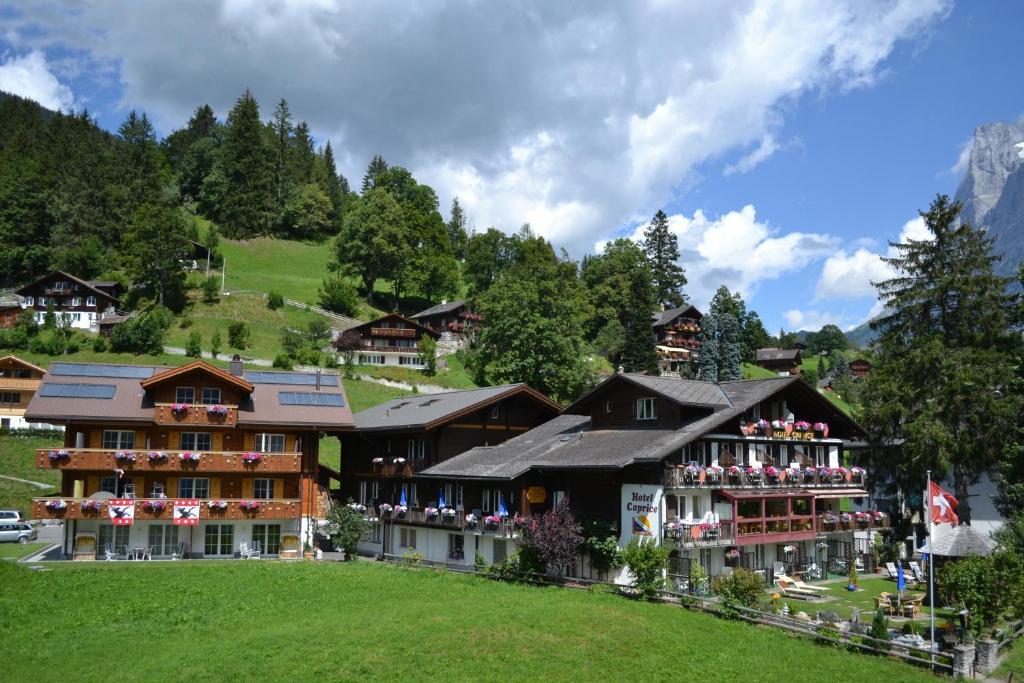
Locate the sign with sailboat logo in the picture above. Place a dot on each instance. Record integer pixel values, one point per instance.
(642, 513)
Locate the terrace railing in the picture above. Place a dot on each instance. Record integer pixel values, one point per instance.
(166, 461)
(194, 415)
(689, 476)
(147, 509)
(848, 521)
(698, 535)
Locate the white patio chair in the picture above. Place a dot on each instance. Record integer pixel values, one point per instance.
(147, 554)
(890, 568)
(179, 554)
(111, 556)
(247, 553)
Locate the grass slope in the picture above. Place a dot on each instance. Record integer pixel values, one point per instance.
(16, 551)
(17, 459)
(205, 621)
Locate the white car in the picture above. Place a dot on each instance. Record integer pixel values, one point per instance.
(9, 516)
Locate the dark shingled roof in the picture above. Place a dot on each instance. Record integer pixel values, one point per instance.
(665, 317)
(684, 391)
(777, 354)
(441, 308)
(423, 410)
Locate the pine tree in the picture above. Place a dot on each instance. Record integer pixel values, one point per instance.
(728, 348)
(283, 130)
(331, 183)
(707, 368)
(302, 166)
(376, 167)
(248, 172)
(942, 383)
(662, 247)
(457, 234)
(822, 370)
(140, 162)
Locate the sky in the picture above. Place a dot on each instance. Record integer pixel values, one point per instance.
(788, 141)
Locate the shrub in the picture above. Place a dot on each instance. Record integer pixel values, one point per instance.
(339, 296)
(283, 361)
(275, 301)
(428, 354)
(646, 563)
(238, 335)
(506, 570)
(743, 588)
(141, 334)
(346, 527)
(319, 331)
(292, 342)
(215, 343)
(73, 345)
(99, 344)
(211, 290)
(411, 558)
(601, 545)
(479, 563)
(880, 630)
(185, 323)
(987, 586)
(194, 345)
(550, 543)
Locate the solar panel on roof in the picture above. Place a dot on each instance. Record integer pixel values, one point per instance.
(53, 390)
(298, 378)
(87, 370)
(310, 398)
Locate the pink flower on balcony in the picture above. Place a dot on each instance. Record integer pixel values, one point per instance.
(218, 505)
(801, 426)
(217, 411)
(90, 506)
(56, 505)
(156, 456)
(249, 505)
(491, 522)
(124, 456)
(154, 506)
(179, 409)
(59, 454)
(771, 472)
(251, 458)
(189, 458)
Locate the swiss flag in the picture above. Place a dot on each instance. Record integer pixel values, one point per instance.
(943, 505)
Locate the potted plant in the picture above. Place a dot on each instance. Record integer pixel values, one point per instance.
(732, 555)
(124, 457)
(673, 530)
(400, 511)
(448, 513)
(829, 519)
(56, 505)
(863, 519)
(491, 522)
(251, 458)
(762, 427)
(772, 473)
(358, 507)
(858, 473)
(809, 473)
(90, 507)
(398, 461)
(58, 455)
(386, 509)
(754, 474)
(156, 457)
(846, 519)
(471, 521)
(878, 517)
(430, 513)
(690, 474)
(734, 473)
(839, 474)
(179, 410)
(307, 551)
(824, 475)
(250, 506)
(217, 411)
(821, 430)
(217, 505)
(154, 506)
(188, 458)
(780, 428)
(713, 474)
(378, 461)
(789, 549)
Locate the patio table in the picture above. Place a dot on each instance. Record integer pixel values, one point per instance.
(136, 553)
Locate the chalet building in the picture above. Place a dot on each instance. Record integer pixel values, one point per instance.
(782, 361)
(676, 337)
(860, 367)
(192, 461)
(450, 319)
(392, 340)
(396, 440)
(19, 381)
(730, 474)
(11, 307)
(83, 302)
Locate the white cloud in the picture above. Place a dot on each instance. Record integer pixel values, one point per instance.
(30, 76)
(810, 319)
(963, 159)
(764, 150)
(581, 120)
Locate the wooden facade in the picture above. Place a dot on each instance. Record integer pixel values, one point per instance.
(392, 340)
(83, 302)
(19, 381)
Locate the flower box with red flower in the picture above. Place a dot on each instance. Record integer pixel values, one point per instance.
(188, 458)
(846, 519)
(154, 506)
(400, 511)
(858, 473)
(156, 457)
(249, 506)
(772, 473)
(763, 427)
(217, 505)
(492, 522)
(124, 457)
(830, 519)
(754, 474)
(518, 522)
(179, 410)
(713, 474)
(471, 521)
(734, 473)
(251, 458)
(863, 519)
(839, 474)
(58, 455)
(732, 554)
(386, 509)
(821, 430)
(90, 507)
(56, 505)
(217, 412)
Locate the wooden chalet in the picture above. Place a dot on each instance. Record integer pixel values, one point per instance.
(780, 360)
(676, 337)
(860, 367)
(19, 381)
(11, 307)
(449, 318)
(82, 302)
(392, 340)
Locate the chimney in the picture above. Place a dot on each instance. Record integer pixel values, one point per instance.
(318, 379)
(235, 367)
(444, 301)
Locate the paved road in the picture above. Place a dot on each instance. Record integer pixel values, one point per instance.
(262, 362)
(37, 484)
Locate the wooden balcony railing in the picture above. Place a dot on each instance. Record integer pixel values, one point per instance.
(852, 521)
(12, 384)
(699, 534)
(267, 509)
(774, 529)
(407, 333)
(688, 476)
(165, 461)
(506, 528)
(388, 349)
(164, 413)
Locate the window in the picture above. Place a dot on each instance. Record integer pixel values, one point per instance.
(267, 537)
(163, 539)
(219, 539)
(371, 359)
(43, 301)
(114, 536)
(10, 397)
(456, 546)
(406, 538)
(193, 487)
(362, 492)
(116, 440)
(458, 496)
(485, 503)
(496, 412)
(196, 441)
(414, 499)
(375, 490)
(448, 495)
(211, 396)
(90, 301)
(373, 533)
(76, 301)
(557, 497)
(646, 409)
(500, 551)
(109, 484)
(608, 405)
(263, 488)
(61, 285)
(410, 360)
(184, 395)
(270, 443)
(30, 301)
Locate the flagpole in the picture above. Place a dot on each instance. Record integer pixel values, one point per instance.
(931, 556)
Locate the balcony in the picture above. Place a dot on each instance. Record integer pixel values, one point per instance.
(194, 415)
(738, 476)
(373, 348)
(830, 523)
(407, 333)
(268, 509)
(505, 528)
(699, 535)
(215, 461)
(774, 529)
(11, 384)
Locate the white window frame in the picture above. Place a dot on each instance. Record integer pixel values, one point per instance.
(407, 538)
(30, 301)
(608, 406)
(192, 443)
(215, 394)
(557, 497)
(267, 484)
(362, 492)
(123, 441)
(646, 409)
(193, 487)
(485, 501)
(90, 301)
(495, 413)
(265, 443)
(184, 394)
(375, 490)
(76, 301)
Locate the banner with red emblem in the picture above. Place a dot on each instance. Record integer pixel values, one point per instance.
(186, 512)
(121, 511)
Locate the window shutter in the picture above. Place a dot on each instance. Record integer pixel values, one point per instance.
(218, 441)
(247, 488)
(140, 487)
(250, 441)
(140, 438)
(92, 485)
(278, 488)
(215, 487)
(96, 438)
(171, 490)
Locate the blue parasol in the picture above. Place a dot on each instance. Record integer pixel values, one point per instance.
(502, 510)
(901, 583)
(440, 500)
(403, 501)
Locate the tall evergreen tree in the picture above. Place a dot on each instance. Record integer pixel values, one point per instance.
(707, 362)
(729, 354)
(283, 130)
(376, 167)
(457, 233)
(247, 165)
(662, 247)
(140, 162)
(330, 182)
(302, 167)
(942, 383)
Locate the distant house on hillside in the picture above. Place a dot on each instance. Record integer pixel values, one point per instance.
(10, 309)
(448, 318)
(82, 302)
(780, 360)
(676, 337)
(19, 381)
(860, 367)
(392, 340)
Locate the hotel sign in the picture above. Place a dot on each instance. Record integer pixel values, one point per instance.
(642, 513)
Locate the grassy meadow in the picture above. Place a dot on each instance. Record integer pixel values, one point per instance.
(212, 621)
(17, 459)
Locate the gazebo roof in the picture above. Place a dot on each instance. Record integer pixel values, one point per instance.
(959, 541)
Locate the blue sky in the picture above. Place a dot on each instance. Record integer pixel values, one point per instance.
(787, 140)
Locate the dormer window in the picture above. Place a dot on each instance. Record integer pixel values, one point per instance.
(211, 396)
(184, 395)
(608, 405)
(646, 409)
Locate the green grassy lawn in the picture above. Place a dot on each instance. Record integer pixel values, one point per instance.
(1014, 663)
(455, 377)
(363, 395)
(16, 551)
(17, 459)
(838, 401)
(751, 371)
(864, 600)
(330, 451)
(90, 356)
(355, 621)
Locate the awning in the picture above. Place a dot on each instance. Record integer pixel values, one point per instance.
(673, 351)
(747, 494)
(832, 494)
